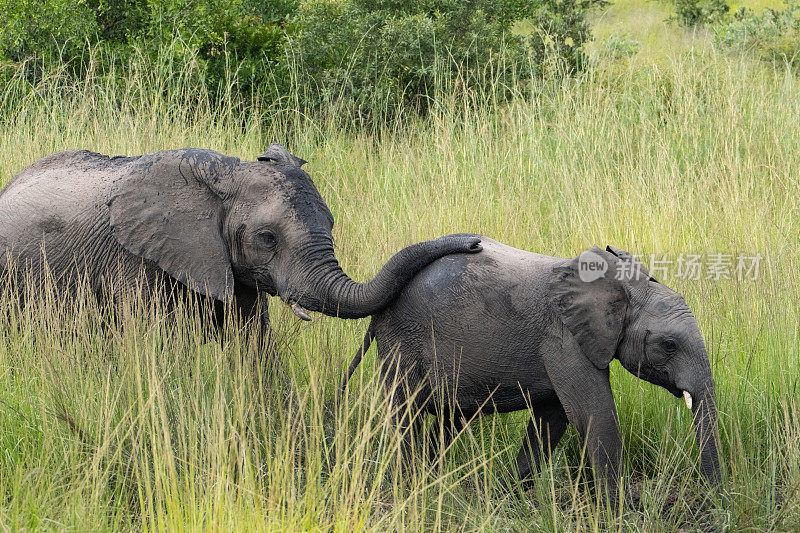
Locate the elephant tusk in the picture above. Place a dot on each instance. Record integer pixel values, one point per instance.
(688, 398)
(299, 311)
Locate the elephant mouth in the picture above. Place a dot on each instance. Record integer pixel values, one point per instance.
(289, 296)
(687, 396)
(661, 379)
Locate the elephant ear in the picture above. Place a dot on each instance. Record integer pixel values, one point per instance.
(592, 303)
(633, 264)
(277, 153)
(167, 209)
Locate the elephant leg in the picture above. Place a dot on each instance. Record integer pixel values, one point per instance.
(406, 418)
(449, 423)
(598, 427)
(252, 306)
(585, 394)
(265, 336)
(407, 421)
(269, 347)
(407, 391)
(545, 429)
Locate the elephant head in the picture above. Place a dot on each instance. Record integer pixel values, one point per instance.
(209, 220)
(614, 308)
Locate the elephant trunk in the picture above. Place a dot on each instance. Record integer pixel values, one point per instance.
(327, 289)
(704, 410)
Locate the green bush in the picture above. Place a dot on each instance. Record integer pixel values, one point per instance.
(368, 55)
(619, 44)
(241, 38)
(58, 29)
(772, 34)
(383, 54)
(238, 39)
(696, 12)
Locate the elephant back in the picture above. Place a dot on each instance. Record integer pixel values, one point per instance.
(53, 215)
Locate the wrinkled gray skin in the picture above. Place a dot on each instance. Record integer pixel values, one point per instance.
(506, 330)
(220, 226)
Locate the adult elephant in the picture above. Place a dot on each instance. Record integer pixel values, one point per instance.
(235, 231)
(507, 330)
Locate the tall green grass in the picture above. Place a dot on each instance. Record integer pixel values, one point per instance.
(151, 421)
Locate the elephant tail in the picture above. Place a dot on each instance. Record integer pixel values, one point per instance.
(369, 336)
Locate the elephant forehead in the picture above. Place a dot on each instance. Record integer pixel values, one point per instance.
(307, 203)
(666, 303)
(279, 200)
(293, 186)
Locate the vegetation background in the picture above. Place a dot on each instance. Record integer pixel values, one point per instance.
(673, 130)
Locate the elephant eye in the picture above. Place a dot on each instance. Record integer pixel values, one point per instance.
(669, 345)
(268, 239)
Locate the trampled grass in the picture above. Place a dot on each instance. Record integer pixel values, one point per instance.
(694, 153)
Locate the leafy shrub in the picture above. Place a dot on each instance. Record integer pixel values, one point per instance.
(773, 34)
(619, 44)
(55, 28)
(365, 54)
(239, 37)
(380, 54)
(696, 12)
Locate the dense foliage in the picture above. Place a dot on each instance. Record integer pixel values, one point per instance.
(362, 52)
(244, 38)
(773, 34)
(392, 52)
(694, 12)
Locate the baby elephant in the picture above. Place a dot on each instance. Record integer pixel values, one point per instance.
(506, 330)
